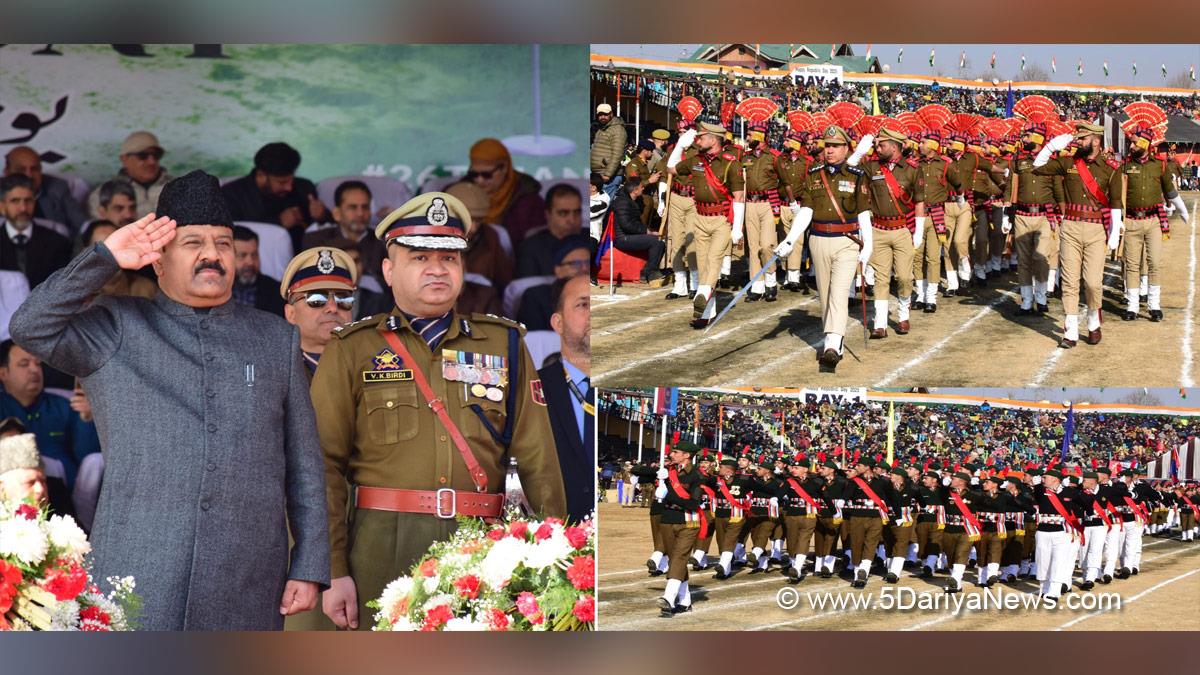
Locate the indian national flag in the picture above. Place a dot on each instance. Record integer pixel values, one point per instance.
(868, 52)
(1053, 65)
(962, 60)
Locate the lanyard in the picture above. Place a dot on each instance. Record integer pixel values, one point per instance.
(587, 405)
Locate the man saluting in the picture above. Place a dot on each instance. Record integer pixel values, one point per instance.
(204, 417)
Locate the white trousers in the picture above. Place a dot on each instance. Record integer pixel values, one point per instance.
(1131, 545)
(1092, 553)
(1055, 556)
(1112, 548)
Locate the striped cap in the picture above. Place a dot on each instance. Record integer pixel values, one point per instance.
(322, 267)
(434, 220)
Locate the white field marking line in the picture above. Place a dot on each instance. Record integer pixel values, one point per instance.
(947, 617)
(707, 607)
(917, 360)
(603, 295)
(752, 376)
(1047, 367)
(1185, 372)
(612, 330)
(806, 619)
(1153, 588)
(684, 348)
(613, 574)
(707, 578)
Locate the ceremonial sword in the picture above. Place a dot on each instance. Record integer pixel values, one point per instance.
(742, 292)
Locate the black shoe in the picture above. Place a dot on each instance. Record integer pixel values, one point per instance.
(785, 560)
(949, 292)
(1021, 311)
(1009, 578)
(1042, 309)
(1066, 588)
(971, 564)
(753, 297)
(979, 283)
(1123, 573)
(725, 281)
(918, 305)
(827, 574)
(953, 587)
(926, 572)
(721, 575)
(757, 570)
(793, 574)
(860, 579)
(1133, 571)
(1156, 315)
(992, 581)
(1087, 585)
(751, 559)
(675, 296)
(804, 288)
(697, 324)
(1128, 316)
(654, 572)
(683, 609)
(772, 293)
(665, 608)
(1106, 579)
(930, 308)
(830, 358)
(697, 567)
(891, 578)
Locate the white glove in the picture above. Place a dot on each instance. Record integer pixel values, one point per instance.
(662, 474)
(795, 207)
(660, 492)
(864, 229)
(1183, 212)
(685, 141)
(861, 150)
(775, 501)
(919, 232)
(739, 220)
(962, 200)
(1114, 235)
(662, 199)
(799, 225)
(1057, 143)
(1005, 225)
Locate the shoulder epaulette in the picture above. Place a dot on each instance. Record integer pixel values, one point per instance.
(503, 321)
(815, 168)
(855, 170)
(371, 321)
(730, 156)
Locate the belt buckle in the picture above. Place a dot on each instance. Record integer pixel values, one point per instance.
(453, 504)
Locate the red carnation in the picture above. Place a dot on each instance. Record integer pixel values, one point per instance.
(496, 534)
(429, 567)
(468, 586)
(518, 529)
(576, 536)
(585, 609)
(436, 617)
(527, 605)
(497, 620)
(27, 511)
(582, 572)
(543, 532)
(554, 521)
(66, 584)
(96, 617)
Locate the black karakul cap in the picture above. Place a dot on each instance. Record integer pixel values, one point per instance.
(194, 199)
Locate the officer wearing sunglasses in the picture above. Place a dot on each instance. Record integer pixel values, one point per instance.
(318, 289)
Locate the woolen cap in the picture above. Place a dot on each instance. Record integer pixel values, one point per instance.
(194, 199)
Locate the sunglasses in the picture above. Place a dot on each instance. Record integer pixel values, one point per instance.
(576, 264)
(318, 299)
(144, 155)
(486, 175)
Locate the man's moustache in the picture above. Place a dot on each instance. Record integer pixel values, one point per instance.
(214, 265)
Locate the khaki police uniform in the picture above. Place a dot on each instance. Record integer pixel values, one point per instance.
(1149, 184)
(762, 171)
(1034, 236)
(892, 240)
(712, 231)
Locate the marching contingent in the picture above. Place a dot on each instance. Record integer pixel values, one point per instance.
(930, 199)
(1063, 526)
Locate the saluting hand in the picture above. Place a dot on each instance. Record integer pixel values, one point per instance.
(141, 242)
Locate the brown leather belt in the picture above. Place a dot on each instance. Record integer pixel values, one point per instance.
(710, 209)
(443, 503)
(834, 228)
(895, 223)
(1083, 214)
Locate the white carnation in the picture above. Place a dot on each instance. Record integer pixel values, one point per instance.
(547, 552)
(64, 615)
(404, 625)
(24, 540)
(437, 601)
(498, 565)
(68, 537)
(394, 593)
(431, 584)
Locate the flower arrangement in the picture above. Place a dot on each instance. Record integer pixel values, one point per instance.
(44, 582)
(522, 574)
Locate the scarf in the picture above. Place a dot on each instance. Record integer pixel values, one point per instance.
(492, 151)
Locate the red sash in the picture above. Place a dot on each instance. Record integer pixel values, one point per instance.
(682, 493)
(1112, 508)
(1103, 514)
(1067, 517)
(712, 497)
(895, 191)
(812, 503)
(738, 506)
(719, 187)
(1089, 182)
(973, 528)
(1138, 510)
(883, 510)
(1195, 509)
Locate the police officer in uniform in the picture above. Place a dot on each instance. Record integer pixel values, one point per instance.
(866, 516)
(801, 507)
(732, 496)
(682, 521)
(764, 514)
(897, 194)
(1149, 185)
(1058, 513)
(899, 532)
(421, 410)
(763, 178)
(794, 163)
(930, 522)
(1034, 235)
(719, 191)
(318, 289)
(961, 530)
(836, 202)
(829, 518)
(927, 259)
(1092, 187)
(679, 210)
